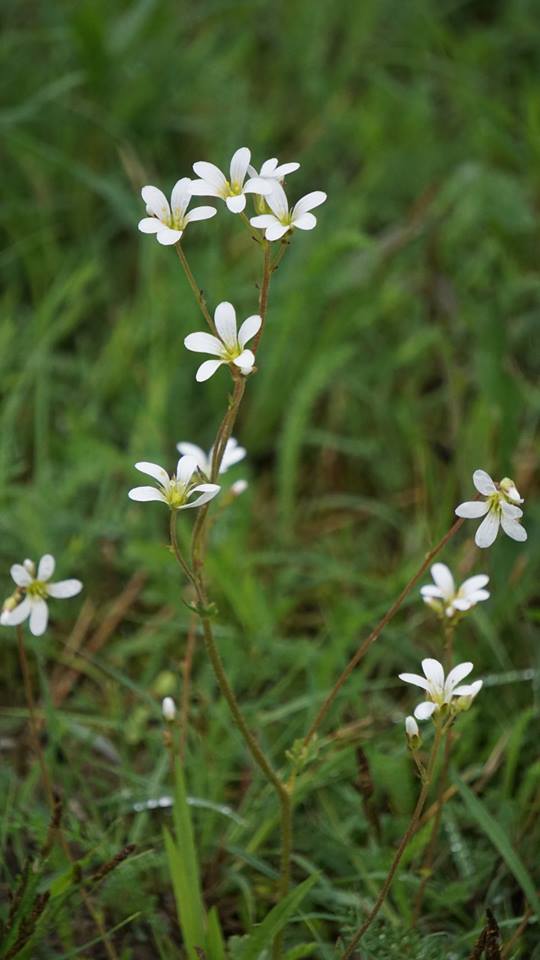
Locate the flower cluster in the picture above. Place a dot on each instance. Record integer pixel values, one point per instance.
(444, 694)
(33, 589)
(274, 215)
(447, 601)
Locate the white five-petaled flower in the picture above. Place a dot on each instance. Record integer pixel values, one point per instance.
(175, 491)
(233, 453)
(35, 589)
(282, 219)
(443, 597)
(230, 347)
(169, 222)
(441, 691)
(500, 509)
(273, 170)
(214, 183)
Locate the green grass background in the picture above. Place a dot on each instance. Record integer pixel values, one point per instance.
(401, 352)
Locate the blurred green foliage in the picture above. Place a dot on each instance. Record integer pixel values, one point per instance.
(401, 352)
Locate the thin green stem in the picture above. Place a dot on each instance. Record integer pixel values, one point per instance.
(417, 813)
(427, 864)
(199, 296)
(375, 633)
(264, 291)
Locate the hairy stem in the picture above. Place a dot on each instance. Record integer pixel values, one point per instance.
(417, 813)
(375, 633)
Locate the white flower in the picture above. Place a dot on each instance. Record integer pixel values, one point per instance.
(282, 219)
(440, 690)
(169, 224)
(443, 597)
(230, 345)
(176, 490)
(273, 170)
(35, 590)
(214, 183)
(233, 454)
(500, 509)
(411, 728)
(168, 709)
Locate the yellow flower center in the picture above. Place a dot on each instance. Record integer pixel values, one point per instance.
(37, 589)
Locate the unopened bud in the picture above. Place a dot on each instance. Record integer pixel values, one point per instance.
(413, 733)
(239, 487)
(510, 490)
(168, 709)
(30, 566)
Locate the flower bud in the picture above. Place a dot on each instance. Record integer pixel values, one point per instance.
(413, 733)
(238, 487)
(168, 709)
(510, 490)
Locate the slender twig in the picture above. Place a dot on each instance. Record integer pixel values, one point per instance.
(375, 633)
(199, 296)
(417, 812)
(185, 695)
(264, 290)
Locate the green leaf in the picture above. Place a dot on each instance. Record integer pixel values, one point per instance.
(184, 870)
(216, 946)
(501, 842)
(275, 920)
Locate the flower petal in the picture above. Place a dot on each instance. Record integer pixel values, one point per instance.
(150, 225)
(510, 510)
(472, 509)
(283, 169)
(304, 222)
(12, 618)
(46, 567)
(425, 710)
(258, 185)
(483, 482)
(239, 164)
(64, 589)
(488, 529)
(20, 575)
(456, 675)
(39, 616)
(207, 369)
(185, 468)
(277, 231)
(513, 529)
(225, 321)
(472, 584)
(462, 603)
(443, 578)
(145, 494)
(277, 200)
(233, 453)
(237, 203)
(201, 188)
(469, 689)
(249, 328)
(192, 450)
(200, 213)
(245, 362)
(434, 672)
(166, 237)
(156, 202)
(212, 177)
(207, 490)
(180, 197)
(309, 202)
(204, 343)
(415, 679)
(431, 591)
(153, 470)
(264, 220)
